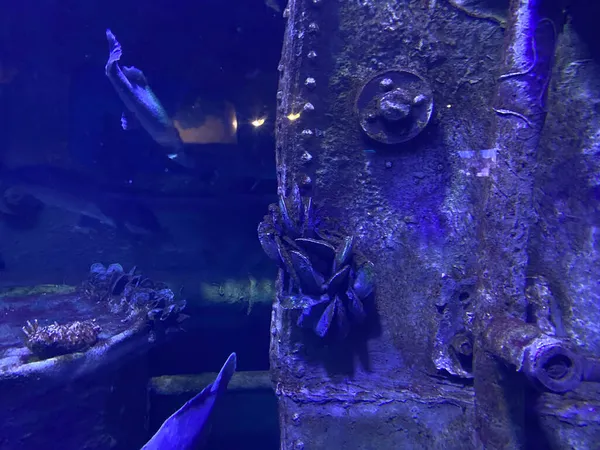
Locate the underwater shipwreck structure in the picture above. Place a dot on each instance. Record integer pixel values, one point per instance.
(437, 245)
(436, 231)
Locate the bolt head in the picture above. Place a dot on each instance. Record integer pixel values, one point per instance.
(310, 83)
(387, 84)
(420, 100)
(392, 107)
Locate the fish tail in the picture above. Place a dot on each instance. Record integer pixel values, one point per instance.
(114, 49)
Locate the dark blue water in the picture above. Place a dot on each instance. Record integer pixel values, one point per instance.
(79, 189)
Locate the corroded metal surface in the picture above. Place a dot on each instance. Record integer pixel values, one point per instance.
(447, 219)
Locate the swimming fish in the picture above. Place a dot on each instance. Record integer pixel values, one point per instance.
(189, 426)
(143, 107)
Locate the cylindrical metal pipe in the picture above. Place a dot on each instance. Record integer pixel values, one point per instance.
(548, 362)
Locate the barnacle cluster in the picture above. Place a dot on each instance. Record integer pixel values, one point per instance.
(327, 278)
(134, 294)
(54, 340)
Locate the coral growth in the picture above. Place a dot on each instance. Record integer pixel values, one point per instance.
(54, 340)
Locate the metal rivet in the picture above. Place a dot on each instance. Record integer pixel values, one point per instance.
(310, 83)
(419, 100)
(306, 157)
(386, 84)
(305, 181)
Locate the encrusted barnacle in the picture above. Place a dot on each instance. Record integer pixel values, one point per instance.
(355, 306)
(266, 237)
(344, 252)
(338, 281)
(135, 295)
(364, 281)
(55, 340)
(324, 276)
(319, 248)
(292, 213)
(311, 281)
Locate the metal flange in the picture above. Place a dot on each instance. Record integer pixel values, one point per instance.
(394, 106)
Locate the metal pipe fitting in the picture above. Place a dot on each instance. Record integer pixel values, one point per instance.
(549, 362)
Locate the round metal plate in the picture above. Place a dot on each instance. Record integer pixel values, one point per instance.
(394, 106)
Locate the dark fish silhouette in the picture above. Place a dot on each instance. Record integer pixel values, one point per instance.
(189, 426)
(79, 194)
(142, 105)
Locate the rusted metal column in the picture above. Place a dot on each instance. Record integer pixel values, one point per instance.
(507, 214)
(359, 146)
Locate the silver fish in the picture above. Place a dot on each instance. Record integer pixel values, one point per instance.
(142, 105)
(189, 426)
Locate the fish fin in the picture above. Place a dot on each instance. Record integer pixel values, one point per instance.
(129, 121)
(216, 387)
(191, 422)
(114, 49)
(135, 76)
(227, 371)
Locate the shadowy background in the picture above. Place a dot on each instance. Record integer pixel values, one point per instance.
(205, 60)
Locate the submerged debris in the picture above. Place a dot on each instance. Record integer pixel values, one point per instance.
(327, 278)
(54, 340)
(135, 295)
